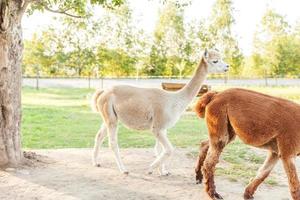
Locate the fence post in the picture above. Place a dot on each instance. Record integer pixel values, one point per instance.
(137, 74)
(37, 80)
(89, 80)
(226, 78)
(266, 78)
(101, 82)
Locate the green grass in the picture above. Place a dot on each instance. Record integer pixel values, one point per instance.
(62, 118)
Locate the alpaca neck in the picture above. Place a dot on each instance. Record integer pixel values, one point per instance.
(191, 89)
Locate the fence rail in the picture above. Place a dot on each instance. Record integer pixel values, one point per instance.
(105, 82)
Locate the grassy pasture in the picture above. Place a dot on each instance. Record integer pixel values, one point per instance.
(62, 118)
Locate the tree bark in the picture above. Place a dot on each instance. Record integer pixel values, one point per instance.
(11, 50)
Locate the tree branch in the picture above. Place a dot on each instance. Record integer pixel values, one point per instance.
(64, 12)
(24, 6)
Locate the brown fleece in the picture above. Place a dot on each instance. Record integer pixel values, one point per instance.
(258, 120)
(203, 101)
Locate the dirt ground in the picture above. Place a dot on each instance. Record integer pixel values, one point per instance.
(67, 174)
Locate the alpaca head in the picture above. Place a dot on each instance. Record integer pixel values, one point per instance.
(214, 62)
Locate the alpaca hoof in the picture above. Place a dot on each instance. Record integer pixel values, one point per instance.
(215, 196)
(198, 180)
(97, 164)
(248, 195)
(296, 194)
(165, 174)
(126, 172)
(150, 171)
(248, 198)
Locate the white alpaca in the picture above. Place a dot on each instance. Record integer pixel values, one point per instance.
(149, 108)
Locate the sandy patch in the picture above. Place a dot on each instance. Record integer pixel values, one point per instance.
(67, 174)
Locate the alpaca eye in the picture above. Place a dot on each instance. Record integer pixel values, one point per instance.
(215, 61)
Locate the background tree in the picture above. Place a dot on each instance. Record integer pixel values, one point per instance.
(114, 44)
(78, 47)
(38, 57)
(219, 34)
(169, 46)
(276, 46)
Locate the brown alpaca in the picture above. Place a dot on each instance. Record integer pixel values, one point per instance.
(258, 120)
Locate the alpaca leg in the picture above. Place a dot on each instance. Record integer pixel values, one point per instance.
(219, 136)
(113, 143)
(98, 142)
(200, 160)
(262, 174)
(290, 169)
(111, 122)
(157, 150)
(166, 153)
(208, 168)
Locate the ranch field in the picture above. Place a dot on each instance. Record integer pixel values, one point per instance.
(57, 122)
(62, 118)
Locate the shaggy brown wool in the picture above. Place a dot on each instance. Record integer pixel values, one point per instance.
(259, 120)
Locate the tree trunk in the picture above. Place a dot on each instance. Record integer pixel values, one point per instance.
(11, 49)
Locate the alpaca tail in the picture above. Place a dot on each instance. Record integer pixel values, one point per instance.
(94, 101)
(202, 103)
